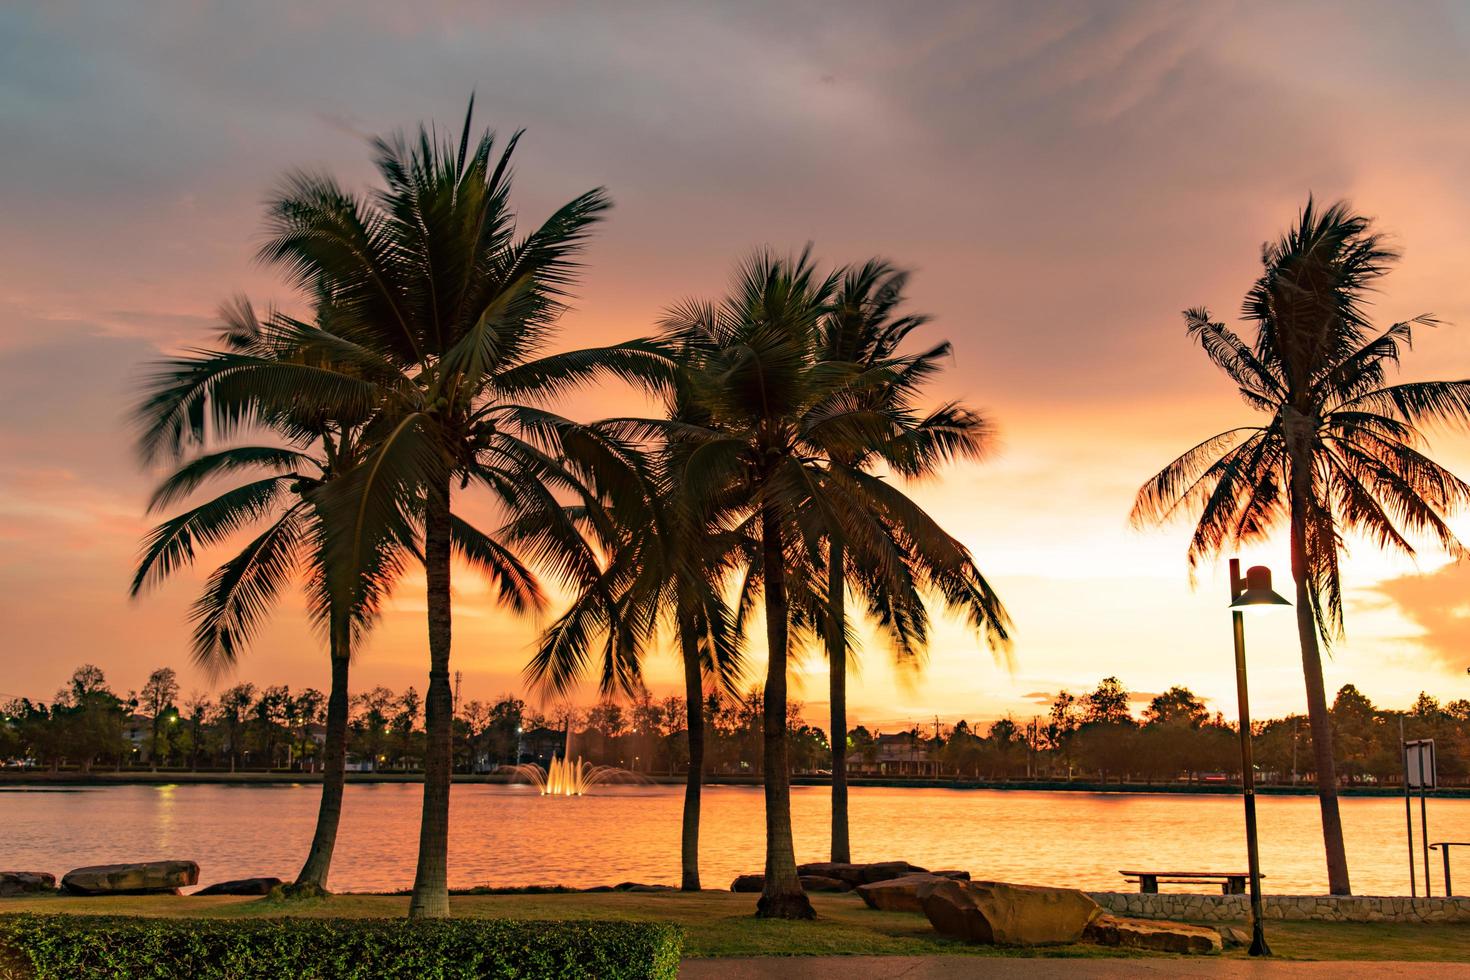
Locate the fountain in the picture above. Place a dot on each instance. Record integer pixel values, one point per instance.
(563, 777)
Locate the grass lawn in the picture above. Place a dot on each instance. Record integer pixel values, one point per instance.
(722, 924)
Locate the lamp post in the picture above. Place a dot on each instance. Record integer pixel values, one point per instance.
(1253, 591)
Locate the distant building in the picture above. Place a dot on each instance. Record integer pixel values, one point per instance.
(138, 730)
(539, 744)
(900, 754)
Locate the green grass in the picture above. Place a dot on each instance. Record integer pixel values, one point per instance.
(723, 924)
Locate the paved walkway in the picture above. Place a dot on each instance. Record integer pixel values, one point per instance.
(999, 968)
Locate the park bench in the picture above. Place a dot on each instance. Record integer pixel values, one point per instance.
(1444, 848)
(1230, 882)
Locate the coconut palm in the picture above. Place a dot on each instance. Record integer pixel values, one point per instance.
(864, 326)
(442, 321)
(312, 449)
(1338, 451)
(669, 558)
(777, 412)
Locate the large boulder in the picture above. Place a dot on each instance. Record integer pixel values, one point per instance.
(811, 883)
(14, 883)
(888, 870)
(863, 874)
(148, 877)
(899, 894)
(841, 870)
(821, 883)
(1164, 937)
(241, 886)
(996, 912)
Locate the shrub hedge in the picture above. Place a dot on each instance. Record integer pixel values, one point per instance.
(76, 946)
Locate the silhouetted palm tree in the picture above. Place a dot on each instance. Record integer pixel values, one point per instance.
(314, 448)
(864, 326)
(669, 558)
(442, 320)
(779, 420)
(1339, 450)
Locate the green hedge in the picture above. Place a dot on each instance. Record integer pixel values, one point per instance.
(77, 946)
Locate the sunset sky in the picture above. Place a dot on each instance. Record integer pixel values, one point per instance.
(1063, 182)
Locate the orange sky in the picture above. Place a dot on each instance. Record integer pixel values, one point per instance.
(1063, 178)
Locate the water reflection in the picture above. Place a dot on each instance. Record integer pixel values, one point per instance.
(499, 834)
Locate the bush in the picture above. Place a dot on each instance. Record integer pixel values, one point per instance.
(75, 946)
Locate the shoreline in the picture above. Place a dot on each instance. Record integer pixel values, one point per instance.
(14, 778)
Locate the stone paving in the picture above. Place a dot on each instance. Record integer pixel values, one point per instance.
(996, 968)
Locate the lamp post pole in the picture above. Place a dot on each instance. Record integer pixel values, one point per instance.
(1247, 767)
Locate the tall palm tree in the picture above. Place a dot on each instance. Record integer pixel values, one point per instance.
(442, 319)
(1338, 449)
(311, 450)
(776, 414)
(864, 326)
(668, 559)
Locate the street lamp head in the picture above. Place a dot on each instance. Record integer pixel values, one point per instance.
(1257, 591)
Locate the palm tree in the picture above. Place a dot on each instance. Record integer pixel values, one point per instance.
(442, 319)
(314, 449)
(777, 413)
(1338, 450)
(864, 327)
(668, 559)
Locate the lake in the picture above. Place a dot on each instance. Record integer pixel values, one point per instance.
(509, 835)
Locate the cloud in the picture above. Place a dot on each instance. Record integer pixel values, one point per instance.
(1438, 603)
(1064, 177)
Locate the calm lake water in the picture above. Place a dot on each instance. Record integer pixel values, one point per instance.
(509, 835)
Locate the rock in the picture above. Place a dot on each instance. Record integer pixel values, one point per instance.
(850, 873)
(899, 894)
(638, 886)
(241, 886)
(820, 883)
(812, 883)
(888, 870)
(1163, 937)
(1233, 936)
(148, 877)
(956, 875)
(1011, 915)
(26, 883)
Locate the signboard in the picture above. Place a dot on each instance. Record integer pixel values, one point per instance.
(1419, 770)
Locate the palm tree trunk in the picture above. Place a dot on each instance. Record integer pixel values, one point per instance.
(781, 896)
(694, 712)
(431, 882)
(1317, 714)
(837, 670)
(334, 762)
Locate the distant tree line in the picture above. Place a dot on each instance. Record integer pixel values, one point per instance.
(88, 725)
(1093, 736)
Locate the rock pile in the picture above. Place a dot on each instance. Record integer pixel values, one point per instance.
(836, 876)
